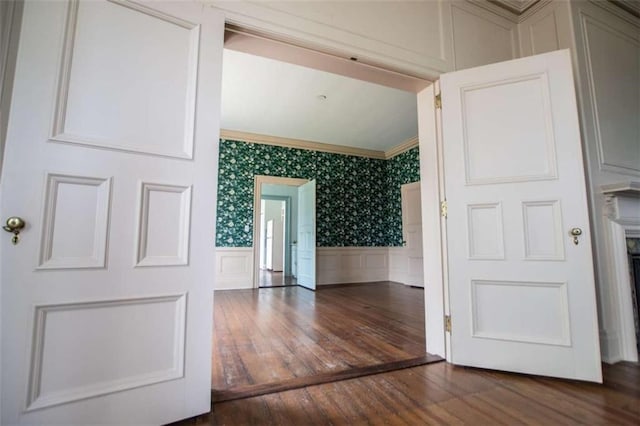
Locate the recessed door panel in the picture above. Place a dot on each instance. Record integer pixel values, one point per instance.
(507, 130)
(98, 105)
(75, 223)
(72, 366)
(165, 217)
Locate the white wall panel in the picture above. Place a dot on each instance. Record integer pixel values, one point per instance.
(342, 265)
(416, 41)
(613, 59)
(480, 37)
(234, 268)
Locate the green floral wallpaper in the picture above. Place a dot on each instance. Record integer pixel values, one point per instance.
(358, 199)
(401, 169)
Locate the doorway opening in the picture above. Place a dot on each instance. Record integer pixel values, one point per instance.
(277, 248)
(276, 219)
(354, 295)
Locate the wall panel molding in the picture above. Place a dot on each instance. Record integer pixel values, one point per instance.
(606, 156)
(343, 265)
(335, 265)
(480, 37)
(419, 46)
(234, 268)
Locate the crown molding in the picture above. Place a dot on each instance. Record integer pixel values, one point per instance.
(318, 146)
(403, 147)
(514, 11)
(622, 9)
(300, 144)
(632, 7)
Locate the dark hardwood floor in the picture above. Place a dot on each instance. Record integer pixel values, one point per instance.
(274, 335)
(444, 394)
(287, 334)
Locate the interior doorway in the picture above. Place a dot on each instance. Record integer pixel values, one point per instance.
(276, 218)
(277, 266)
(287, 294)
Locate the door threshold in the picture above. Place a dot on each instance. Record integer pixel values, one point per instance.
(250, 391)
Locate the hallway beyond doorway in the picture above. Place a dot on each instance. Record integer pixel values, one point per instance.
(275, 279)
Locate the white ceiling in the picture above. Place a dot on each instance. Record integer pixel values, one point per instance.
(269, 97)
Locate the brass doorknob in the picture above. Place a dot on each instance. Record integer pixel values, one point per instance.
(14, 225)
(575, 233)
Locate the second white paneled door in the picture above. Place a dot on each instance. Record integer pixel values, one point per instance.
(307, 235)
(412, 233)
(521, 284)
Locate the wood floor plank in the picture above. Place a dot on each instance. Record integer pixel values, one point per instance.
(296, 333)
(266, 335)
(449, 395)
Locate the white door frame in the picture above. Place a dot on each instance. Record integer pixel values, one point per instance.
(260, 180)
(434, 250)
(431, 166)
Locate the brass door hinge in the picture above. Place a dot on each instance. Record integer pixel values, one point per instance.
(447, 323)
(438, 101)
(443, 209)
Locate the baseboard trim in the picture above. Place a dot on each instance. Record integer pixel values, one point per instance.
(251, 391)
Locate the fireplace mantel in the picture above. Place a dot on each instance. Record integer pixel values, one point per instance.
(625, 189)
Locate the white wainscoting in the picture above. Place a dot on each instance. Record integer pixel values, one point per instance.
(234, 268)
(336, 265)
(343, 265)
(397, 264)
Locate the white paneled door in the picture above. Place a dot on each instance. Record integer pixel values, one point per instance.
(307, 235)
(111, 161)
(412, 233)
(521, 285)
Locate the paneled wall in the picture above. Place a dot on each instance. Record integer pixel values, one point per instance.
(481, 37)
(335, 265)
(606, 44)
(417, 42)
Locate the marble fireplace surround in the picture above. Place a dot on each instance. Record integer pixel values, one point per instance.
(622, 220)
